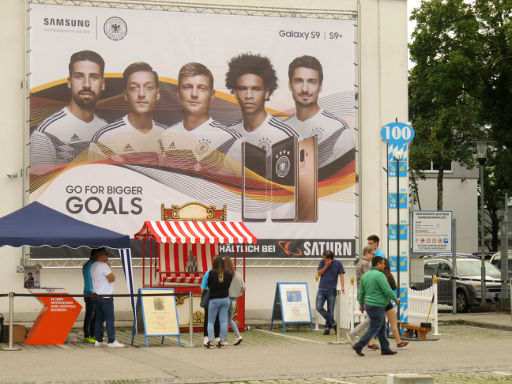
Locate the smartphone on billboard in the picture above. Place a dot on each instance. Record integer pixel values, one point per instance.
(284, 179)
(255, 196)
(307, 198)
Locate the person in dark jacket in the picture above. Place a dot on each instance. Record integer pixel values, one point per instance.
(219, 281)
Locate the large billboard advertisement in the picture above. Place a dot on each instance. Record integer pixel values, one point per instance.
(145, 115)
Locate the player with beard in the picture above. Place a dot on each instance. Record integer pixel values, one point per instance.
(335, 138)
(135, 137)
(199, 137)
(65, 134)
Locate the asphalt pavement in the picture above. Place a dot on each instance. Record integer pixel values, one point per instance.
(471, 348)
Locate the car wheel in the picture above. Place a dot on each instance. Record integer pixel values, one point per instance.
(462, 302)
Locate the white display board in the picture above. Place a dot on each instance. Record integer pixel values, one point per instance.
(432, 231)
(291, 304)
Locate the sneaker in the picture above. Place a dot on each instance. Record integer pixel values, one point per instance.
(89, 339)
(115, 344)
(217, 340)
(205, 341)
(326, 331)
(350, 339)
(238, 340)
(335, 327)
(208, 345)
(224, 343)
(100, 343)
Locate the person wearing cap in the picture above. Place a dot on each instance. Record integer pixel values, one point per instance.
(102, 284)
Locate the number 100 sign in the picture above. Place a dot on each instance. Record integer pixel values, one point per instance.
(397, 133)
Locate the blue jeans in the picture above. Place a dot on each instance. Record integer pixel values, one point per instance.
(218, 307)
(232, 303)
(322, 295)
(377, 328)
(104, 313)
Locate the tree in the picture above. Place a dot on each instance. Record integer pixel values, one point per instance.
(442, 109)
(494, 66)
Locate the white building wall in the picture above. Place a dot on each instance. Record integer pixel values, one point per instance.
(382, 52)
(461, 198)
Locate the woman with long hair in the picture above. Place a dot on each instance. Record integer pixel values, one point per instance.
(390, 310)
(219, 281)
(235, 290)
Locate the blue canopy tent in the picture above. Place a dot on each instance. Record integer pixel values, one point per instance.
(37, 225)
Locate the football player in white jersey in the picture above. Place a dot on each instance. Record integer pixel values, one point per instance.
(252, 79)
(335, 138)
(198, 137)
(135, 136)
(67, 133)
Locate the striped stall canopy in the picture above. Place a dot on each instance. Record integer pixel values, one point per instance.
(196, 232)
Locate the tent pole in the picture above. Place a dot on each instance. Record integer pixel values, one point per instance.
(143, 262)
(244, 261)
(191, 319)
(11, 324)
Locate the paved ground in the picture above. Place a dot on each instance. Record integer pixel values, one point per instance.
(462, 354)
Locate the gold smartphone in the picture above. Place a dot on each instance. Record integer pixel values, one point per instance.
(308, 180)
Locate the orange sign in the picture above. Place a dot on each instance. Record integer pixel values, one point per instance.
(55, 320)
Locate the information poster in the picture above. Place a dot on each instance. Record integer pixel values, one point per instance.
(160, 315)
(432, 231)
(291, 304)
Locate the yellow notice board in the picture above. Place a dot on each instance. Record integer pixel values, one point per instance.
(159, 313)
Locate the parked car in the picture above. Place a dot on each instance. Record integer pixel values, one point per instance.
(496, 261)
(468, 280)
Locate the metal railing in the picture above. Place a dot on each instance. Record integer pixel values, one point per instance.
(12, 295)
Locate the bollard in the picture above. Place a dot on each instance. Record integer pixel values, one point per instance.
(337, 318)
(191, 320)
(10, 347)
(338, 308)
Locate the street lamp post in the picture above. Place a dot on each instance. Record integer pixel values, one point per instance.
(481, 155)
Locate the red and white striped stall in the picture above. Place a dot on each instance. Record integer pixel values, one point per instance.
(180, 252)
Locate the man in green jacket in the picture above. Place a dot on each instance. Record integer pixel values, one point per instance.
(374, 295)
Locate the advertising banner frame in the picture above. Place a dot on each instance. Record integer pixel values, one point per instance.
(270, 12)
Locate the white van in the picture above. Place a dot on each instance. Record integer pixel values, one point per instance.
(496, 260)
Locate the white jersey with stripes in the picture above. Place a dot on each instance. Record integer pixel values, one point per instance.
(62, 137)
(334, 135)
(271, 131)
(122, 138)
(202, 141)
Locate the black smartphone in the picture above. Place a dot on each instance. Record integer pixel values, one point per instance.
(255, 196)
(284, 179)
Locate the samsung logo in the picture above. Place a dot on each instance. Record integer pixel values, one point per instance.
(66, 22)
